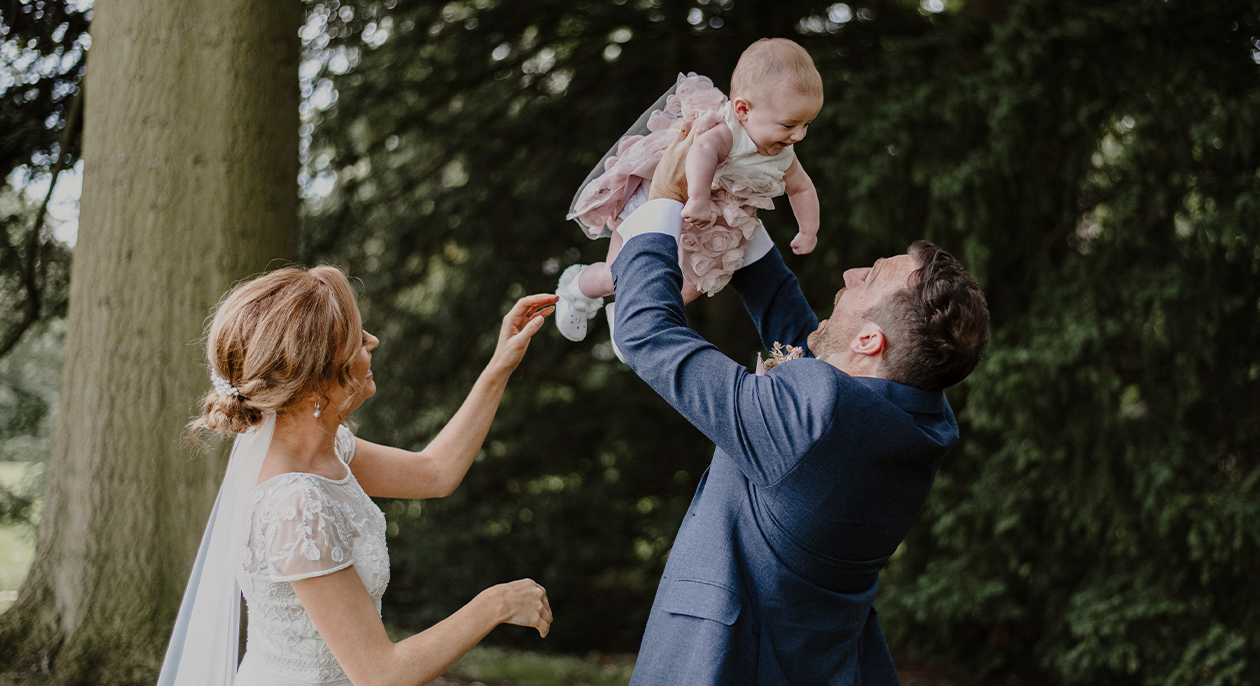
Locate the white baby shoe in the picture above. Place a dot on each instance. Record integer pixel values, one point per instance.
(574, 308)
(613, 334)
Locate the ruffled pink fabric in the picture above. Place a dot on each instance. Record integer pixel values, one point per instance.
(709, 256)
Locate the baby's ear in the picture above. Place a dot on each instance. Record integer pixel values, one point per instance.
(741, 107)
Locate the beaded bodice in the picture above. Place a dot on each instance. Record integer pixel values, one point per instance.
(302, 526)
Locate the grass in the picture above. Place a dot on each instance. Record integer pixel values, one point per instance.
(520, 668)
(17, 541)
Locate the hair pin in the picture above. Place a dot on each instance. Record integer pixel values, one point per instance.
(224, 389)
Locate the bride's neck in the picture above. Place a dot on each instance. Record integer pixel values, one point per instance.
(304, 441)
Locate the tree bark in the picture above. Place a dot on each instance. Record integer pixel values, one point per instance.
(190, 150)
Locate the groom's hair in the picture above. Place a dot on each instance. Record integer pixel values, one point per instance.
(936, 329)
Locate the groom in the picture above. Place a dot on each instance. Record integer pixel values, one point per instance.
(821, 466)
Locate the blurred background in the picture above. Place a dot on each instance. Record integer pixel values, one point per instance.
(1096, 165)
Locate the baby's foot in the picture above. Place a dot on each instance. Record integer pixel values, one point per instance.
(574, 308)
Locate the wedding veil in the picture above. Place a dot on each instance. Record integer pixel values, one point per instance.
(638, 129)
(206, 638)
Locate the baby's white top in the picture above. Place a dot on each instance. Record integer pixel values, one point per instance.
(747, 173)
(305, 525)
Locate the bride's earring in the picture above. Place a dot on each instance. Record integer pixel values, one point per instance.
(317, 407)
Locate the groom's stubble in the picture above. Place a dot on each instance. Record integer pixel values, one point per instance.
(835, 333)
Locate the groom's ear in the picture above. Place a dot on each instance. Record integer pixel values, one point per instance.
(869, 340)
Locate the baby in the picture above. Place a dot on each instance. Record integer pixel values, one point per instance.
(743, 158)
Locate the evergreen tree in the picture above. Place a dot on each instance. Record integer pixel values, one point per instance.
(44, 50)
(1094, 165)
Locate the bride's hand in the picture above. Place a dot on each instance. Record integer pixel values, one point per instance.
(519, 325)
(523, 603)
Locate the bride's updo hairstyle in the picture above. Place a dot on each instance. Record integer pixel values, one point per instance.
(273, 340)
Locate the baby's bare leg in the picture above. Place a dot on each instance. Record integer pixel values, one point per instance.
(596, 280)
(688, 293)
(614, 246)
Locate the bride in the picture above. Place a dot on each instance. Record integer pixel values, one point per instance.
(293, 528)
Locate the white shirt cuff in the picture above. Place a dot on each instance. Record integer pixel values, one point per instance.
(758, 246)
(665, 216)
(655, 216)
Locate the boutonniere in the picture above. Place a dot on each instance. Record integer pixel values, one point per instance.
(780, 354)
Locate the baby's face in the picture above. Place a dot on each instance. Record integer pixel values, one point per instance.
(779, 119)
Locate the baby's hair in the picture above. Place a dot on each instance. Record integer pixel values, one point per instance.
(771, 62)
(275, 339)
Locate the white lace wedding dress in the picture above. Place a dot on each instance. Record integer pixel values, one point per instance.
(302, 526)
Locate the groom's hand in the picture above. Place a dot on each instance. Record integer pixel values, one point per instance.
(670, 178)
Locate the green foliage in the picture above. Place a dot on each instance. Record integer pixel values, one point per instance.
(52, 274)
(1094, 164)
(29, 384)
(1098, 522)
(17, 535)
(43, 52)
(497, 665)
(42, 56)
(30, 379)
(30, 374)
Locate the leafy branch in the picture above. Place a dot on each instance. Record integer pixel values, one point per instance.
(33, 267)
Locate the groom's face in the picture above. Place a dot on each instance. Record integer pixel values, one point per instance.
(864, 288)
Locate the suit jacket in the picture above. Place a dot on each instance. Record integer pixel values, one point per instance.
(816, 479)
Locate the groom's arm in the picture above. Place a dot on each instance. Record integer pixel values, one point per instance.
(772, 295)
(768, 288)
(765, 423)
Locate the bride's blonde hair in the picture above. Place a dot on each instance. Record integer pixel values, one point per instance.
(276, 338)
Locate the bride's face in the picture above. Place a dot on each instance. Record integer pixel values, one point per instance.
(361, 374)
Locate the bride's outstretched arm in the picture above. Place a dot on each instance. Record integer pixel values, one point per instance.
(436, 471)
(346, 618)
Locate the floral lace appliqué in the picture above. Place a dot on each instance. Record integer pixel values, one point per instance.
(305, 525)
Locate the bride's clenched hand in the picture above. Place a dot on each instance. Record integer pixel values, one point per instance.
(346, 617)
(523, 603)
(519, 325)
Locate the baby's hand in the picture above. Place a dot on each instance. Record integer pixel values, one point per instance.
(700, 212)
(803, 245)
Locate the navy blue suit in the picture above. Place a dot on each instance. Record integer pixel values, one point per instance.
(816, 479)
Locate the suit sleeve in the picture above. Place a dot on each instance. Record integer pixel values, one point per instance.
(747, 416)
(773, 298)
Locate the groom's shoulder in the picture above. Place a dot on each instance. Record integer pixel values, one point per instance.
(818, 384)
(811, 372)
(829, 389)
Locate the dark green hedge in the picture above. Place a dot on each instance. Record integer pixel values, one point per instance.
(1095, 164)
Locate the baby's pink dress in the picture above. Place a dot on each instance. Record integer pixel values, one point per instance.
(742, 184)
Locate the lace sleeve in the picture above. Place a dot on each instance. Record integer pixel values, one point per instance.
(307, 534)
(345, 444)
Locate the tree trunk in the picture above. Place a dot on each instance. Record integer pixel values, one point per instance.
(190, 149)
